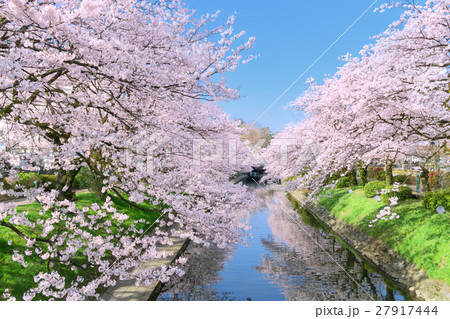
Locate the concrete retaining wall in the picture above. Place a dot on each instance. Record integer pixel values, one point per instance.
(402, 273)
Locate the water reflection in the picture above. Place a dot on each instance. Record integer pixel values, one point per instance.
(202, 275)
(285, 260)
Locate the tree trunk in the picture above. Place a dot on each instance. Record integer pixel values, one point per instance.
(425, 182)
(388, 172)
(353, 180)
(363, 173)
(64, 184)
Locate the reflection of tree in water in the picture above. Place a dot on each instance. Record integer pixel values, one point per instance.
(290, 259)
(202, 274)
(305, 271)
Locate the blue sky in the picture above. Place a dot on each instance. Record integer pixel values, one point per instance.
(290, 35)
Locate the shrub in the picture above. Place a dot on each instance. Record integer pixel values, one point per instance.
(404, 193)
(402, 179)
(7, 183)
(432, 200)
(27, 179)
(51, 179)
(343, 182)
(87, 179)
(380, 176)
(376, 170)
(332, 178)
(371, 188)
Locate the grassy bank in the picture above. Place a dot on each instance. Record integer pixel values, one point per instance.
(17, 278)
(419, 235)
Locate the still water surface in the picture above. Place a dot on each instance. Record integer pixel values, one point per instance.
(285, 259)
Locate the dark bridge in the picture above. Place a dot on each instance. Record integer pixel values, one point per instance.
(256, 174)
(251, 177)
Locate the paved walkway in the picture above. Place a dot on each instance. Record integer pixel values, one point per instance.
(24, 201)
(126, 290)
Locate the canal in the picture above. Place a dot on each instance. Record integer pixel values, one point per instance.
(288, 257)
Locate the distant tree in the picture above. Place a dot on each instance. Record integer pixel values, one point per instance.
(257, 136)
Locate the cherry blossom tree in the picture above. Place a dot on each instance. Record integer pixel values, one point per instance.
(378, 106)
(124, 88)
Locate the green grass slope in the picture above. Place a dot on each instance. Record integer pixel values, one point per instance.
(419, 235)
(18, 278)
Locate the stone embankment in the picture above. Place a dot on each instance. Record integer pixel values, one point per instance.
(402, 273)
